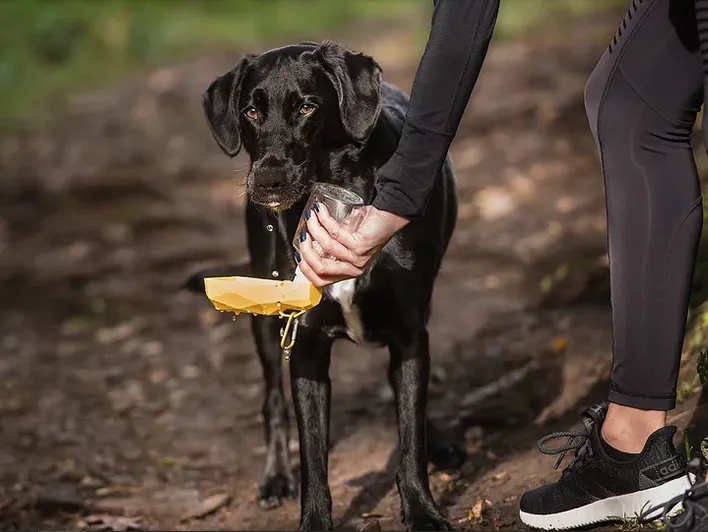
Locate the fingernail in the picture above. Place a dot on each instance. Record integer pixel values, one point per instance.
(307, 214)
(303, 236)
(298, 258)
(316, 206)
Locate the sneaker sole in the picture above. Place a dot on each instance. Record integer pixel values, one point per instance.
(610, 509)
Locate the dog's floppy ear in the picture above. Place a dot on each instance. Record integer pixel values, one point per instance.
(357, 79)
(219, 103)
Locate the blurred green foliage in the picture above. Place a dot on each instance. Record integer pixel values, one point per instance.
(49, 48)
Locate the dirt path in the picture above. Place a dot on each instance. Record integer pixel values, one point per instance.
(126, 401)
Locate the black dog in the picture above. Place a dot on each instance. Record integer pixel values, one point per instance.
(318, 112)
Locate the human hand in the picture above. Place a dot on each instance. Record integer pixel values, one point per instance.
(348, 253)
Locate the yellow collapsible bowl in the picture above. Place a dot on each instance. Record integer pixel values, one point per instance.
(268, 297)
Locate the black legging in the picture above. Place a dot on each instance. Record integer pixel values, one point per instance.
(642, 101)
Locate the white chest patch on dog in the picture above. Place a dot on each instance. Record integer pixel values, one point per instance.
(343, 293)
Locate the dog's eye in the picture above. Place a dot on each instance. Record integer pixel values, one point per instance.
(306, 109)
(251, 113)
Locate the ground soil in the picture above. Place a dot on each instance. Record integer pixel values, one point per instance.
(126, 401)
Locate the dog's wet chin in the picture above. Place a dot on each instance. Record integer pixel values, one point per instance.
(280, 202)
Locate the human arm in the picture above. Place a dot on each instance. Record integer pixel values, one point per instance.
(459, 38)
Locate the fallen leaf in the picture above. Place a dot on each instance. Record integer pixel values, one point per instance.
(168, 461)
(476, 511)
(207, 506)
(559, 344)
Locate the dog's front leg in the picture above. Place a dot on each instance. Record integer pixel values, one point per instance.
(278, 480)
(312, 391)
(409, 373)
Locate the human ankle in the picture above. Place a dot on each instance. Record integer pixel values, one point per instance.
(627, 429)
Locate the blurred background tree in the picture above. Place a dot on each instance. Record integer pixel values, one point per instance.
(49, 48)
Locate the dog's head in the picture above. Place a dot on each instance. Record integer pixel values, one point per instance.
(288, 107)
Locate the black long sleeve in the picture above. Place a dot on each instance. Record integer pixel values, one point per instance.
(457, 45)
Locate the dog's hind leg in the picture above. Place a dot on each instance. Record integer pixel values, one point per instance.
(312, 390)
(409, 373)
(278, 481)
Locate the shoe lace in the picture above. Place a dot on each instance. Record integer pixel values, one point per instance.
(685, 519)
(578, 442)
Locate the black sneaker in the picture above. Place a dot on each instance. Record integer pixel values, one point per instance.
(691, 509)
(595, 487)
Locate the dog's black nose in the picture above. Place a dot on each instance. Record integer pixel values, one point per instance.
(270, 179)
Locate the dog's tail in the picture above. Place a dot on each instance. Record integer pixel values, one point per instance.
(195, 283)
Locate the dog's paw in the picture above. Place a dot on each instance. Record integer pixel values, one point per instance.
(312, 523)
(424, 515)
(446, 455)
(274, 489)
(433, 521)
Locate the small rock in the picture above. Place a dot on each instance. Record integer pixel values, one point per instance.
(111, 523)
(158, 376)
(109, 335)
(475, 432)
(118, 506)
(207, 506)
(190, 372)
(152, 348)
(445, 477)
(502, 476)
(67, 349)
(116, 233)
(79, 250)
(58, 497)
(91, 482)
(438, 375)
(11, 405)
(112, 491)
(76, 326)
(385, 394)
(127, 397)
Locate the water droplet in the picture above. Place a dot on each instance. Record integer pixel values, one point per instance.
(275, 273)
(278, 304)
(269, 227)
(233, 318)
